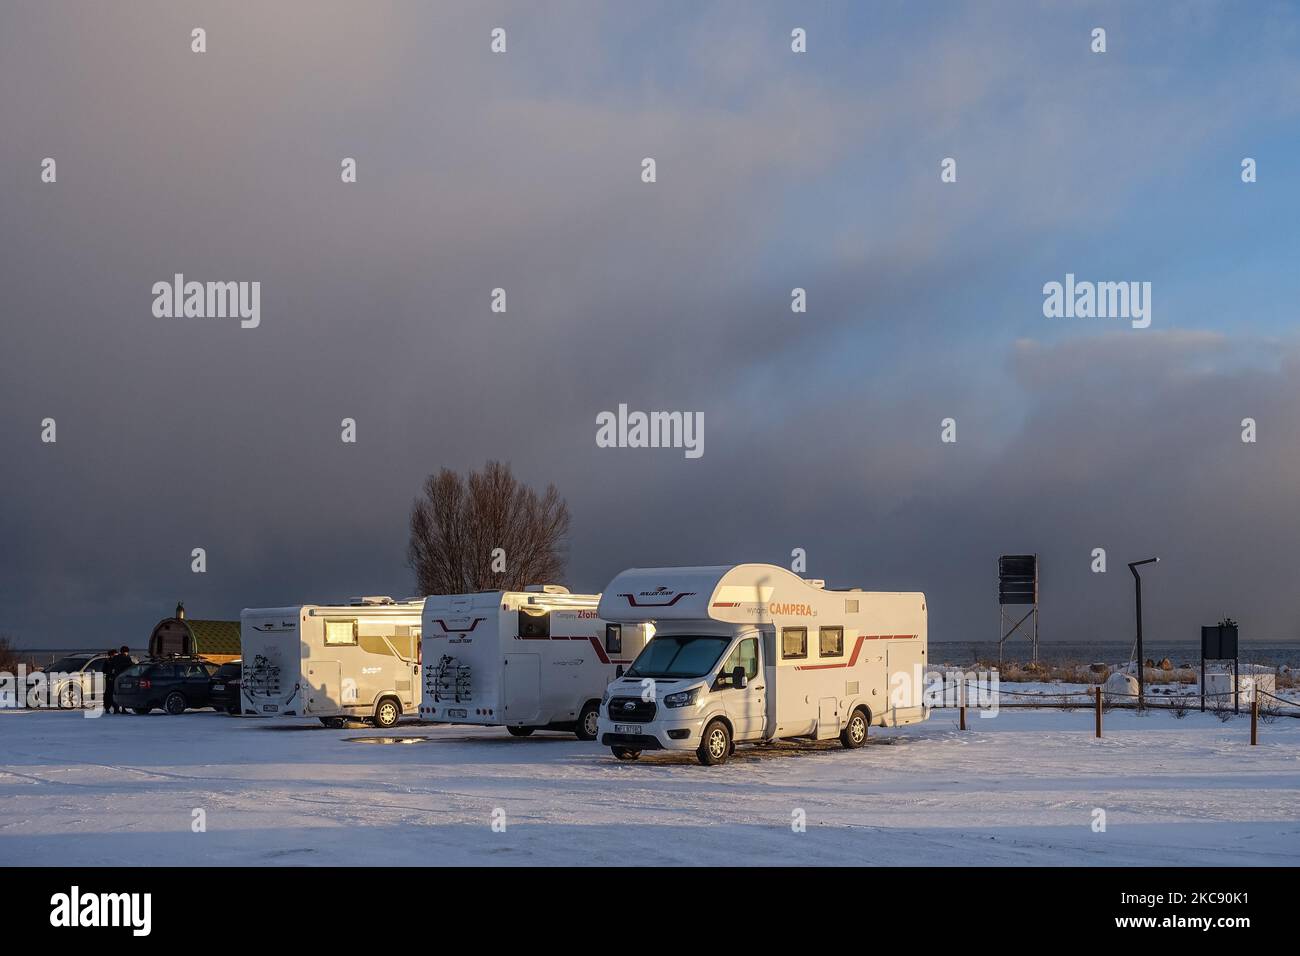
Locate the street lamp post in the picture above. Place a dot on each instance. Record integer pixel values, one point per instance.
(1137, 584)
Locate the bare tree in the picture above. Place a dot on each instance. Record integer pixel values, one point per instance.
(457, 525)
(9, 656)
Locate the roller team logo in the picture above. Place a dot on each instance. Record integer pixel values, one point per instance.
(659, 597)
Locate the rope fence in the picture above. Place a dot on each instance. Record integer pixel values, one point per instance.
(1102, 700)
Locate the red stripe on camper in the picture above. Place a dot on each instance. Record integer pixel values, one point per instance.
(857, 648)
(600, 651)
(726, 604)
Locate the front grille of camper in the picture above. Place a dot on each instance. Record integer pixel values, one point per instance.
(450, 681)
(640, 711)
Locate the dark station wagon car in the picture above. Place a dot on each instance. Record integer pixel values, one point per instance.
(226, 686)
(175, 685)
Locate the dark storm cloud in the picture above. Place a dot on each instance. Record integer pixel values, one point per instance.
(522, 172)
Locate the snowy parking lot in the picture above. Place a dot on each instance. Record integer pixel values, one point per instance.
(1024, 787)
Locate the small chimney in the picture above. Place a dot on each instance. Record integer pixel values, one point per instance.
(180, 611)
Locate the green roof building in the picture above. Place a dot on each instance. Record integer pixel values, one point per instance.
(217, 641)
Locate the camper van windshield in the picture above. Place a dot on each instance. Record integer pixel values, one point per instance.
(678, 655)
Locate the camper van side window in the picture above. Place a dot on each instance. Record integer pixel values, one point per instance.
(794, 642)
(340, 632)
(614, 638)
(534, 626)
(831, 641)
(745, 655)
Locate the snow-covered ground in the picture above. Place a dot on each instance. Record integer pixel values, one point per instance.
(1019, 788)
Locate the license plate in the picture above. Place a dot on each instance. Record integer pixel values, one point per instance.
(627, 728)
(218, 686)
(457, 712)
(270, 708)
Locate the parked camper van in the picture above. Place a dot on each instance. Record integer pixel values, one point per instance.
(525, 660)
(358, 660)
(751, 652)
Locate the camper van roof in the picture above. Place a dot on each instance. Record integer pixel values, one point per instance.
(395, 609)
(694, 593)
(734, 593)
(538, 600)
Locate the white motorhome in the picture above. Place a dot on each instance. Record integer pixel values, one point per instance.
(525, 660)
(752, 652)
(359, 660)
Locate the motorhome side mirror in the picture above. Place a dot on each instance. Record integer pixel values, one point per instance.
(618, 671)
(738, 676)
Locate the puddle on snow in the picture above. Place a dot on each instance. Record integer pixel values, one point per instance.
(386, 740)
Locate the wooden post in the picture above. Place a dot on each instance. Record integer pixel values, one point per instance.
(1098, 712)
(961, 702)
(1254, 719)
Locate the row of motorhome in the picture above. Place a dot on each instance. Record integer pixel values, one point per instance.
(689, 659)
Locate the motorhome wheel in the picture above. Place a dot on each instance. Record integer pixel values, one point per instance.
(715, 746)
(588, 721)
(386, 713)
(622, 753)
(175, 703)
(142, 711)
(335, 723)
(855, 734)
(520, 731)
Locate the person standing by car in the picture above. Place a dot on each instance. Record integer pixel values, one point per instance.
(124, 660)
(110, 675)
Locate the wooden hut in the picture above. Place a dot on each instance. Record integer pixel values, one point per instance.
(216, 641)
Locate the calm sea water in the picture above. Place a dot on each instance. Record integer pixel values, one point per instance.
(44, 655)
(962, 653)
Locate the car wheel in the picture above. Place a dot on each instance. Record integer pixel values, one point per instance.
(715, 745)
(623, 753)
(175, 703)
(520, 731)
(141, 710)
(588, 721)
(386, 713)
(70, 696)
(854, 735)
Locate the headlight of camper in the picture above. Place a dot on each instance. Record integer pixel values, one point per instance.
(682, 698)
